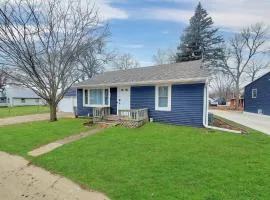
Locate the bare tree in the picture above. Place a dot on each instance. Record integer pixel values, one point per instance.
(255, 68)
(41, 42)
(164, 56)
(94, 59)
(3, 79)
(243, 48)
(125, 61)
(222, 86)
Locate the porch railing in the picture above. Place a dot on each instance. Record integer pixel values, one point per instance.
(101, 112)
(134, 114)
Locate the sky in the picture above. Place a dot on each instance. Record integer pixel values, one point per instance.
(140, 27)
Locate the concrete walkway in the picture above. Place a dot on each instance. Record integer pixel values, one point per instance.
(30, 118)
(257, 122)
(49, 147)
(20, 180)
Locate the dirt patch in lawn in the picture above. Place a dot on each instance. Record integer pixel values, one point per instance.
(224, 124)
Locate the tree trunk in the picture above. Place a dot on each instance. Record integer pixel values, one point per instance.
(53, 116)
(237, 92)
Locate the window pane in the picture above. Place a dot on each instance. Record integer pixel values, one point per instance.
(163, 91)
(106, 96)
(96, 96)
(163, 102)
(254, 93)
(85, 96)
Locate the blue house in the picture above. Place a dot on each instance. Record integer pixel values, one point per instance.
(174, 94)
(257, 96)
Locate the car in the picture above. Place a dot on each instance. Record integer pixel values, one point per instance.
(213, 102)
(221, 101)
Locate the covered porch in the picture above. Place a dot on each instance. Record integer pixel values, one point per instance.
(110, 104)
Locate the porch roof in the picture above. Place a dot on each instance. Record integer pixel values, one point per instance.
(185, 72)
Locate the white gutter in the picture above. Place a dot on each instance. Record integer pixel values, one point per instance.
(205, 113)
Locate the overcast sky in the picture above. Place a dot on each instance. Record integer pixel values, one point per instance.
(140, 27)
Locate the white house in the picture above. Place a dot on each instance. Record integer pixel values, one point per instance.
(17, 95)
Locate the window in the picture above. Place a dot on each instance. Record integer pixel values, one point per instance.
(163, 98)
(22, 100)
(86, 96)
(96, 97)
(254, 93)
(106, 96)
(3, 100)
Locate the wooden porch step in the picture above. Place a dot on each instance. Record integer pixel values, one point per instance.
(107, 123)
(111, 118)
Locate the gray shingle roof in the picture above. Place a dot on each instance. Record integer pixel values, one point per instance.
(177, 72)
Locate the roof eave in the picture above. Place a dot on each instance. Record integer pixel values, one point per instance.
(145, 83)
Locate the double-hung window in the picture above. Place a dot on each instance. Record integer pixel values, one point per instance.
(106, 97)
(163, 98)
(254, 93)
(86, 97)
(96, 97)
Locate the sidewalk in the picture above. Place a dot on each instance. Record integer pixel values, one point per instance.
(51, 146)
(19, 180)
(30, 118)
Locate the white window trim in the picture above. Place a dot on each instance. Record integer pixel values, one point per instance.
(253, 97)
(169, 98)
(97, 105)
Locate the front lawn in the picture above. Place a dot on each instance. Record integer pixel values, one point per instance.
(22, 138)
(167, 162)
(22, 110)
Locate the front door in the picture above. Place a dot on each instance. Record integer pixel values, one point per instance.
(123, 98)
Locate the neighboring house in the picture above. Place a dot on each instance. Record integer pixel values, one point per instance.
(16, 95)
(257, 96)
(68, 102)
(232, 99)
(240, 102)
(174, 93)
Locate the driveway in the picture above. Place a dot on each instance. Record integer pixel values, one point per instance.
(21, 180)
(257, 122)
(30, 118)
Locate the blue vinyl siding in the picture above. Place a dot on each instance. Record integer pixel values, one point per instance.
(71, 92)
(263, 95)
(81, 110)
(85, 111)
(186, 106)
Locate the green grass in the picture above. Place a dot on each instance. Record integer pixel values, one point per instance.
(160, 162)
(22, 138)
(22, 110)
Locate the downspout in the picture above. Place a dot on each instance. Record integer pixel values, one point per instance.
(205, 105)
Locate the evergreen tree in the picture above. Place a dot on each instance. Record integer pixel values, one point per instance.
(200, 40)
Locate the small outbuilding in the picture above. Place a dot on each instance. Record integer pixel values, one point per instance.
(69, 101)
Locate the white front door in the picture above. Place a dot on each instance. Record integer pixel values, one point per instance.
(123, 98)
